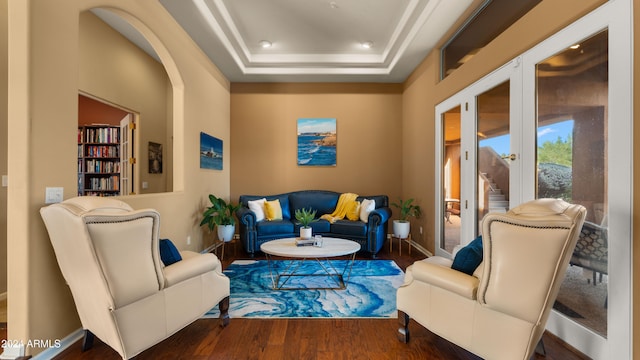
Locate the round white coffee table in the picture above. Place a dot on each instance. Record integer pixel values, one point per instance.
(287, 249)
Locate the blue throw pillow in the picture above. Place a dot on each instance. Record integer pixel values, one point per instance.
(169, 254)
(469, 257)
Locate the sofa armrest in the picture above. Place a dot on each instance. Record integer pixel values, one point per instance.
(445, 278)
(379, 216)
(191, 265)
(246, 217)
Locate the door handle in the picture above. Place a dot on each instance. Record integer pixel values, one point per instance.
(509, 157)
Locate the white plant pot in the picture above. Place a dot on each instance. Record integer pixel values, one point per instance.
(306, 233)
(401, 229)
(225, 232)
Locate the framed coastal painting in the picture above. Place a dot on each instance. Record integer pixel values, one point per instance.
(210, 152)
(317, 142)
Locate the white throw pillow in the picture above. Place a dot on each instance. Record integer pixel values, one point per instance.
(366, 206)
(257, 206)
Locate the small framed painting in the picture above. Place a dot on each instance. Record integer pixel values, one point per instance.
(155, 158)
(317, 142)
(210, 152)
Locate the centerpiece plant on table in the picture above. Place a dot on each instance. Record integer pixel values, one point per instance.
(305, 217)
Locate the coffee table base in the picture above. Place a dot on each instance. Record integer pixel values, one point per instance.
(279, 279)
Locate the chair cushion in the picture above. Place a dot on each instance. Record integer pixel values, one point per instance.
(469, 257)
(321, 201)
(169, 254)
(276, 227)
(350, 228)
(320, 226)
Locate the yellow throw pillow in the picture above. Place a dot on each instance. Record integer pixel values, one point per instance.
(353, 210)
(273, 210)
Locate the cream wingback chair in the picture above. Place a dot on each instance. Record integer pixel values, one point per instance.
(500, 311)
(109, 256)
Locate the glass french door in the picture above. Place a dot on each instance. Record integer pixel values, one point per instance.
(545, 125)
(478, 163)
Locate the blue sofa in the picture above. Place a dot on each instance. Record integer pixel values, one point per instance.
(369, 235)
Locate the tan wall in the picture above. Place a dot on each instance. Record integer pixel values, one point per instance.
(43, 105)
(264, 140)
(111, 68)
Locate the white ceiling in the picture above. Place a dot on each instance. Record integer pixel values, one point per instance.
(315, 40)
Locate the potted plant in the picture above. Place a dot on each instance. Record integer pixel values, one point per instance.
(305, 217)
(220, 214)
(402, 226)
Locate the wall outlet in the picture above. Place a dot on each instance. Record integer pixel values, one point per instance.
(145, 185)
(420, 230)
(5, 180)
(53, 195)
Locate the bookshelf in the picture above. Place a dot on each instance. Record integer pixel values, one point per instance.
(98, 160)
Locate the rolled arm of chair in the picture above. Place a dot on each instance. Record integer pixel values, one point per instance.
(379, 216)
(191, 265)
(247, 228)
(446, 278)
(247, 218)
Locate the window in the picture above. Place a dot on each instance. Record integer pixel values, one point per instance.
(490, 20)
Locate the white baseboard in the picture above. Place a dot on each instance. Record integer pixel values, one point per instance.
(421, 249)
(65, 343)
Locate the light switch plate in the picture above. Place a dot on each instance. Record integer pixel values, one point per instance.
(5, 180)
(53, 195)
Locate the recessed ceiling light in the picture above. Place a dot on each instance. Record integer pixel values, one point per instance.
(367, 44)
(574, 46)
(265, 44)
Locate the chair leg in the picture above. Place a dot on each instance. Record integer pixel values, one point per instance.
(224, 311)
(87, 342)
(403, 330)
(540, 350)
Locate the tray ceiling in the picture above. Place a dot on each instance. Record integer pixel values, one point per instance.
(316, 40)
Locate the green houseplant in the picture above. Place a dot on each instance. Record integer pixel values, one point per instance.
(305, 217)
(402, 226)
(220, 214)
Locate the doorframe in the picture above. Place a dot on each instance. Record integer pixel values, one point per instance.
(615, 15)
(466, 99)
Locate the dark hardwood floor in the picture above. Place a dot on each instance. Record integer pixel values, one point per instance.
(307, 338)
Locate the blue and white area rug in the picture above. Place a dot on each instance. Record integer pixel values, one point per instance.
(370, 292)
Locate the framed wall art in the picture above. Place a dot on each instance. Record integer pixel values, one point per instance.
(317, 142)
(210, 152)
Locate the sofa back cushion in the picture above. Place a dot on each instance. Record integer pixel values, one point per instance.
(324, 202)
(283, 198)
(381, 200)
